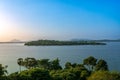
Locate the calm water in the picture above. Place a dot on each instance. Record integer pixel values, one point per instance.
(9, 53)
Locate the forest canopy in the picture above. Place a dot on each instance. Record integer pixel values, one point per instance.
(60, 43)
(46, 69)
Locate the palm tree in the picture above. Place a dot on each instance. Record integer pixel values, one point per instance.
(20, 63)
(30, 62)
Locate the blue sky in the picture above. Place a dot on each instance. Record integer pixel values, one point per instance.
(60, 19)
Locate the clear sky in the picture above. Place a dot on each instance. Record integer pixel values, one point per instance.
(59, 19)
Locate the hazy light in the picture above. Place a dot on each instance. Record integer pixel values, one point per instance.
(27, 20)
(7, 26)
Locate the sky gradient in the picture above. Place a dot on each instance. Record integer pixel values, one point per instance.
(59, 19)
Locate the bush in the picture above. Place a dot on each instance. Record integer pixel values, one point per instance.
(104, 75)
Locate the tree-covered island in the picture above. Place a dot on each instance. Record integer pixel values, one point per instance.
(61, 43)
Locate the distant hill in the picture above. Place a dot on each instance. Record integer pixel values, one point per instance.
(101, 40)
(15, 40)
(107, 40)
(80, 39)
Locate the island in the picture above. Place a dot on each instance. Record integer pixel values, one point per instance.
(61, 43)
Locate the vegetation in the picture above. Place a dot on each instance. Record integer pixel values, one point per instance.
(54, 42)
(45, 69)
(3, 70)
(104, 75)
(90, 62)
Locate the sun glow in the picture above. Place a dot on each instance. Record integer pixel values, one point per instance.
(10, 28)
(7, 26)
(4, 24)
(2, 30)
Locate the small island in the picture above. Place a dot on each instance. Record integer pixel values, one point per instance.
(61, 43)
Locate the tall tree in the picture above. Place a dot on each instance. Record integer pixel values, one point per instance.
(20, 63)
(101, 65)
(43, 63)
(68, 65)
(3, 70)
(55, 65)
(30, 62)
(90, 62)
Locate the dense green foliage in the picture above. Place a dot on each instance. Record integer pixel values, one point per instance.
(45, 69)
(101, 65)
(42, 63)
(54, 42)
(104, 75)
(3, 70)
(90, 62)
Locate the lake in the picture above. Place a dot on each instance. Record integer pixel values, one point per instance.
(9, 53)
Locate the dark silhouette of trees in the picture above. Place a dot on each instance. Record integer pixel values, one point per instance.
(3, 70)
(68, 65)
(55, 42)
(43, 63)
(45, 69)
(55, 65)
(20, 63)
(30, 62)
(101, 65)
(90, 62)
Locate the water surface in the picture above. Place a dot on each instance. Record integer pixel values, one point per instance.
(9, 53)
